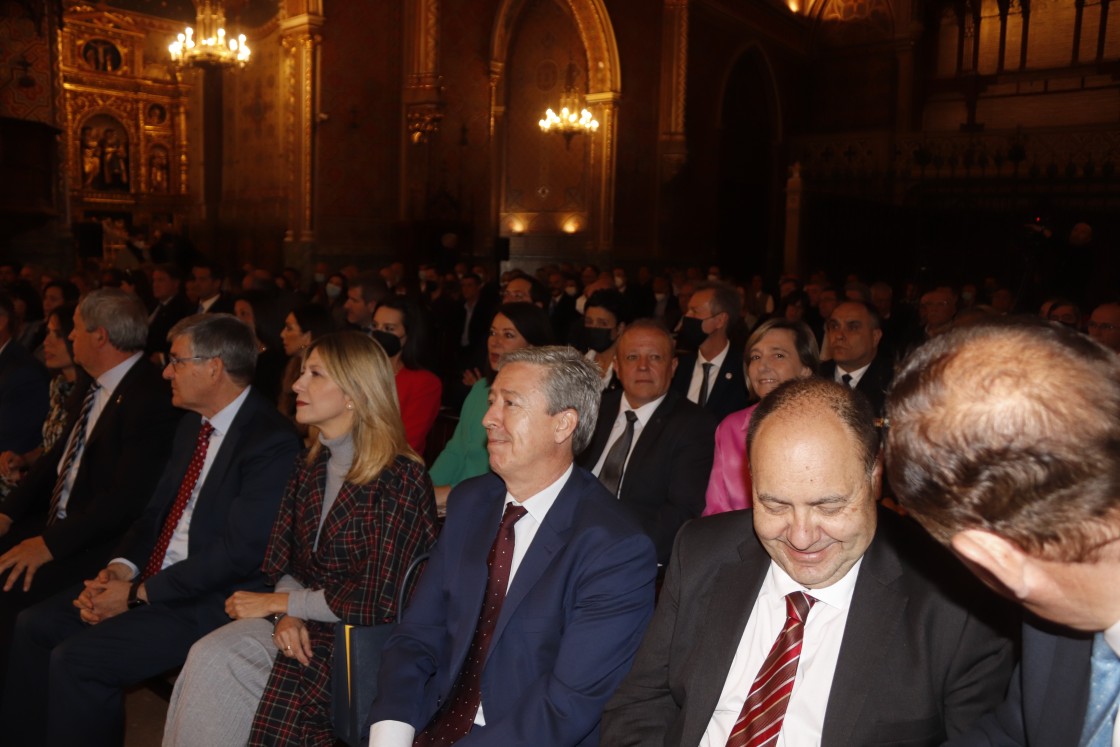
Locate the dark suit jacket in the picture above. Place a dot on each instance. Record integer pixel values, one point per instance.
(224, 305)
(167, 316)
(233, 514)
(667, 474)
(1048, 697)
(727, 393)
(874, 383)
(565, 637)
(24, 399)
(914, 665)
(122, 460)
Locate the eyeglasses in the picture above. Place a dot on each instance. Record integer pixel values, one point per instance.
(1102, 326)
(176, 361)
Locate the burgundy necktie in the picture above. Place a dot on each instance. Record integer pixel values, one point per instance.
(455, 721)
(186, 487)
(760, 721)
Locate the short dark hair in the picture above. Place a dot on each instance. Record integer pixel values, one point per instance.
(851, 408)
(1009, 425)
(70, 293)
(876, 319)
(372, 285)
(314, 318)
(611, 300)
(221, 336)
(216, 271)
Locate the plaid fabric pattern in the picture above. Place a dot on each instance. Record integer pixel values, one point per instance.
(370, 536)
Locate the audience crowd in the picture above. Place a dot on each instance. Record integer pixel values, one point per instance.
(215, 471)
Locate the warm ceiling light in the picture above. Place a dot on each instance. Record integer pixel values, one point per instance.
(210, 45)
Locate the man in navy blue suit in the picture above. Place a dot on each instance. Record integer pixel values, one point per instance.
(529, 651)
(201, 538)
(1004, 442)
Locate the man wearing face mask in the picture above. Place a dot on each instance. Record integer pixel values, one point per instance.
(710, 372)
(604, 319)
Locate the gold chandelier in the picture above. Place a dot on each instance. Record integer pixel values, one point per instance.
(574, 118)
(210, 45)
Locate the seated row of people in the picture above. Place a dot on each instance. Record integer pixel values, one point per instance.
(177, 566)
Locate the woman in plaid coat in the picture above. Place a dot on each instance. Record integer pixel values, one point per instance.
(357, 511)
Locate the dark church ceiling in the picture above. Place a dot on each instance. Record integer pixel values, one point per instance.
(243, 13)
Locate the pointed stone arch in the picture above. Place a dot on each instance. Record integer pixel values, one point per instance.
(604, 88)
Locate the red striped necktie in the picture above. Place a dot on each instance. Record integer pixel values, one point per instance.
(760, 721)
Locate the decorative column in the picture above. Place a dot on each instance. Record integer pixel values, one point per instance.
(422, 101)
(674, 84)
(300, 39)
(604, 106)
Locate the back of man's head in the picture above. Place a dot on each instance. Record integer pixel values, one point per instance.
(122, 315)
(1010, 426)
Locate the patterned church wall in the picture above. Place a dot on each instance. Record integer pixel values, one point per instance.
(255, 187)
(25, 66)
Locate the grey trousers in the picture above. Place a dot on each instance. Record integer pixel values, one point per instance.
(220, 686)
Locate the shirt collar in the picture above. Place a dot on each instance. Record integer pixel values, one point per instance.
(538, 504)
(643, 413)
(223, 418)
(717, 359)
(1112, 637)
(111, 379)
(838, 595)
(857, 374)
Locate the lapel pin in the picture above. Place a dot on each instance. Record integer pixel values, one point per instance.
(727, 376)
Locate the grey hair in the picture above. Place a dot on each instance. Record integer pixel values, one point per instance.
(122, 316)
(571, 383)
(222, 336)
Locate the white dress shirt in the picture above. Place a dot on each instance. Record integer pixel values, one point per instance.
(400, 734)
(177, 547)
(643, 413)
(698, 373)
(205, 303)
(838, 375)
(824, 631)
(109, 382)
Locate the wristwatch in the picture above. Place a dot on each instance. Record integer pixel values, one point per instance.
(133, 600)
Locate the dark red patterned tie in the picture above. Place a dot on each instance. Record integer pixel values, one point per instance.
(760, 721)
(455, 721)
(186, 487)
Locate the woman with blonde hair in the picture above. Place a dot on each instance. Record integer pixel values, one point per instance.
(356, 512)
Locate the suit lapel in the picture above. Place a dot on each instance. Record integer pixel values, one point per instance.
(608, 411)
(551, 538)
(470, 575)
(875, 613)
(231, 443)
(712, 657)
(650, 433)
(108, 414)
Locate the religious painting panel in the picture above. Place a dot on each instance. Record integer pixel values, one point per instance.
(104, 154)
